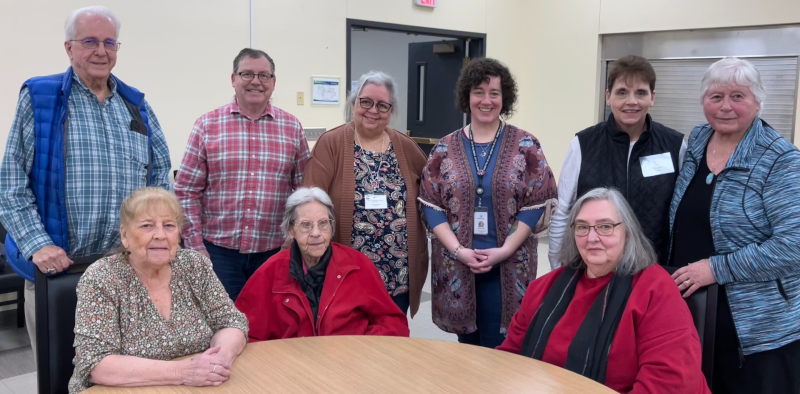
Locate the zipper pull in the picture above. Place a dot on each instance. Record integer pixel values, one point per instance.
(741, 358)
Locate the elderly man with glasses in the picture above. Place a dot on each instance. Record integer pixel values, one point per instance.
(242, 162)
(80, 143)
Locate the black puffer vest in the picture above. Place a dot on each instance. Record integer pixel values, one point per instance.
(604, 163)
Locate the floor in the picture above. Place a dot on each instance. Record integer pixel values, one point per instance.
(17, 371)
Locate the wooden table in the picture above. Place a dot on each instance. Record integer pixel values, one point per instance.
(367, 364)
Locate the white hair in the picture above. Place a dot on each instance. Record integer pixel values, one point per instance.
(69, 25)
(378, 78)
(734, 71)
(302, 196)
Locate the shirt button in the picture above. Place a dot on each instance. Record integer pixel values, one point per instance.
(252, 174)
(287, 300)
(246, 227)
(338, 277)
(251, 192)
(254, 156)
(248, 209)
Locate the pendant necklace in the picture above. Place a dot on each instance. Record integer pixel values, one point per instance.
(710, 177)
(482, 171)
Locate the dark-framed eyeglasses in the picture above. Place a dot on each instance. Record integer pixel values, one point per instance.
(603, 229)
(249, 75)
(93, 43)
(306, 226)
(367, 103)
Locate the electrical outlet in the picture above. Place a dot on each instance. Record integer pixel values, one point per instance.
(301, 98)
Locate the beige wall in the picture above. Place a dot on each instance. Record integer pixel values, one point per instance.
(624, 16)
(181, 55)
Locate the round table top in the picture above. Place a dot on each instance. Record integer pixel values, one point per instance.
(372, 364)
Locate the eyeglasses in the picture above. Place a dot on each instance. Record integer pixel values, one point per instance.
(604, 229)
(368, 103)
(263, 77)
(93, 43)
(306, 227)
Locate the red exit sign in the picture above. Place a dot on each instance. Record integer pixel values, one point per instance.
(426, 3)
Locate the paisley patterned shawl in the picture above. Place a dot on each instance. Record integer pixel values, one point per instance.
(522, 180)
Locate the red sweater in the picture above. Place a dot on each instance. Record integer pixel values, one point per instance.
(656, 348)
(354, 300)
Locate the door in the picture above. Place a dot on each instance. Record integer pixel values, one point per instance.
(432, 76)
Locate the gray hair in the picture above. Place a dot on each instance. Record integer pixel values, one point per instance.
(304, 195)
(378, 78)
(638, 253)
(69, 25)
(734, 71)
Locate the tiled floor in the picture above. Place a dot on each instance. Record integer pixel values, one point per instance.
(16, 358)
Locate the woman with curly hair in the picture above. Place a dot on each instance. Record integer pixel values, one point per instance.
(486, 194)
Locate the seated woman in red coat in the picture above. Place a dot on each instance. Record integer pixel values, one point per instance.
(317, 287)
(610, 314)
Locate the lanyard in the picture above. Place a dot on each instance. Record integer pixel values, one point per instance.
(482, 171)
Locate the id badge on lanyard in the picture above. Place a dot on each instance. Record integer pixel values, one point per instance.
(480, 223)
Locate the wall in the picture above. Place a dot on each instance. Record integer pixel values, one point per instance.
(388, 52)
(180, 57)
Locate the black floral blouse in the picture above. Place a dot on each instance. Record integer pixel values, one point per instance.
(381, 234)
(115, 314)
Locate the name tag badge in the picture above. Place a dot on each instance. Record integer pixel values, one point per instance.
(481, 223)
(659, 164)
(375, 201)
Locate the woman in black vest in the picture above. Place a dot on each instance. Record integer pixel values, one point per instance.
(630, 152)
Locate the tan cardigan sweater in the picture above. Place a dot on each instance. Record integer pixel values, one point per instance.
(331, 168)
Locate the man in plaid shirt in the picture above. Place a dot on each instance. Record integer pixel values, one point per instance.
(242, 162)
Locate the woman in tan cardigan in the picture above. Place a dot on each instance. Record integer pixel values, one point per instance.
(372, 174)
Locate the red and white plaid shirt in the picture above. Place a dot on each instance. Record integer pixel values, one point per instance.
(236, 175)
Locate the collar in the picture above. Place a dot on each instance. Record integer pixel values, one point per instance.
(112, 84)
(622, 137)
(267, 111)
(342, 261)
(741, 155)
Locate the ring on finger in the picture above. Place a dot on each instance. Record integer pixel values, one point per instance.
(688, 282)
(214, 369)
(51, 270)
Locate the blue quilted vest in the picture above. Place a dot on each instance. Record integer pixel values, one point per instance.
(50, 98)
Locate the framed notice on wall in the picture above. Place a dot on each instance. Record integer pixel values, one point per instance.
(324, 90)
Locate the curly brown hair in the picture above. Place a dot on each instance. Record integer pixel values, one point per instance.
(478, 71)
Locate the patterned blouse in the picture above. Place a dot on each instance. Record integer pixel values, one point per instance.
(115, 314)
(381, 233)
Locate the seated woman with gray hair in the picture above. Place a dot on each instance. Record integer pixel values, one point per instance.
(317, 287)
(610, 314)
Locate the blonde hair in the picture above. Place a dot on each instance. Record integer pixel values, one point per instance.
(148, 199)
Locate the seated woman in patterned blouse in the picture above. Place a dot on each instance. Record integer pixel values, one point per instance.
(317, 287)
(140, 308)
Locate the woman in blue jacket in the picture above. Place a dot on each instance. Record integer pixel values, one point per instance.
(734, 220)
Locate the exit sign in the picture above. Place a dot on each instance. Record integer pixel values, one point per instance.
(426, 3)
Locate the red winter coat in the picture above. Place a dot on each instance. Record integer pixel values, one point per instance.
(354, 300)
(655, 349)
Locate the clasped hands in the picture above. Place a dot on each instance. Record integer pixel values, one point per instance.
(211, 368)
(481, 261)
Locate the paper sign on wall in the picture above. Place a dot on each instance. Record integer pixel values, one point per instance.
(325, 90)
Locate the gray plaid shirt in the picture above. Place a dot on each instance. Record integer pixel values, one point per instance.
(105, 162)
